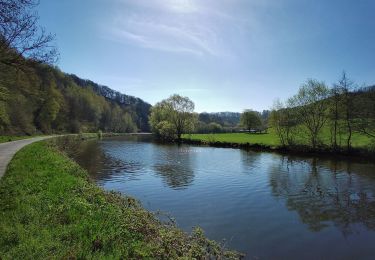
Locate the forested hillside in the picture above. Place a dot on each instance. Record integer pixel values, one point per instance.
(223, 118)
(224, 121)
(141, 108)
(41, 99)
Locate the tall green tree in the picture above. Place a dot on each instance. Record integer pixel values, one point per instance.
(173, 117)
(251, 120)
(284, 121)
(347, 87)
(311, 105)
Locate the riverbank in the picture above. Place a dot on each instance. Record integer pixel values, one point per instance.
(269, 143)
(49, 209)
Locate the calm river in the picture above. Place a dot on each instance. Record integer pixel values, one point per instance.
(266, 205)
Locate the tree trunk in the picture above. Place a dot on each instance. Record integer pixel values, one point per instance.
(348, 142)
(335, 128)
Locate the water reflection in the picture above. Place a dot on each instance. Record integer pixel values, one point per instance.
(91, 157)
(174, 165)
(101, 165)
(250, 160)
(324, 191)
(107, 159)
(301, 207)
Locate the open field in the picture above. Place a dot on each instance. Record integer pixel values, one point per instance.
(49, 209)
(271, 139)
(265, 139)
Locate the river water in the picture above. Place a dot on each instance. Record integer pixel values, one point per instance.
(267, 205)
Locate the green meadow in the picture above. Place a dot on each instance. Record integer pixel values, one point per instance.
(271, 138)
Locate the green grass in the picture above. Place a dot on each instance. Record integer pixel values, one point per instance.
(49, 209)
(265, 139)
(271, 139)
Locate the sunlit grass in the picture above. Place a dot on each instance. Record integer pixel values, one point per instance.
(266, 139)
(271, 138)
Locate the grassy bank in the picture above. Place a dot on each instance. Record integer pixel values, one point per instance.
(362, 146)
(49, 209)
(272, 140)
(269, 139)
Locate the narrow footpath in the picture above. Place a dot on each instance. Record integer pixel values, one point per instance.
(9, 149)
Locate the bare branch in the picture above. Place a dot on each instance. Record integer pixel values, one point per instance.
(20, 36)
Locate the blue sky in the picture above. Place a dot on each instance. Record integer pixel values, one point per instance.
(226, 55)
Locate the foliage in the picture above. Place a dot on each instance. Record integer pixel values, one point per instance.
(347, 113)
(45, 100)
(311, 106)
(136, 106)
(251, 120)
(225, 119)
(173, 117)
(284, 123)
(212, 127)
(166, 130)
(215, 127)
(49, 209)
(21, 36)
(347, 100)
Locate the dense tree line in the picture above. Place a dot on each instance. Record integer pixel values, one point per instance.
(225, 119)
(342, 110)
(217, 122)
(38, 98)
(140, 108)
(45, 100)
(228, 122)
(251, 120)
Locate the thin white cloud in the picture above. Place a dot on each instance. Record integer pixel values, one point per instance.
(181, 26)
(162, 37)
(179, 6)
(214, 28)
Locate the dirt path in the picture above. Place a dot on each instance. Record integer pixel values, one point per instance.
(7, 151)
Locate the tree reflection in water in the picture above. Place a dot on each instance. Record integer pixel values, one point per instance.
(172, 163)
(101, 166)
(301, 207)
(174, 166)
(326, 192)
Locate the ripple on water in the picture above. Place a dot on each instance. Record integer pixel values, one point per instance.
(264, 204)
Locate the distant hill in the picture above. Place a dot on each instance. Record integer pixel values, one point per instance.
(141, 107)
(225, 119)
(42, 99)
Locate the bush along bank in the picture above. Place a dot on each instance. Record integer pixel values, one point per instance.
(49, 209)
